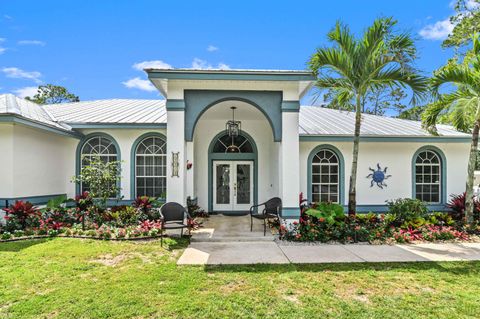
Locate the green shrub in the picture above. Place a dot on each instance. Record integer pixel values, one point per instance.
(329, 212)
(406, 211)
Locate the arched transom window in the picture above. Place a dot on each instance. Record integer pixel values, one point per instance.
(98, 146)
(428, 177)
(151, 167)
(228, 144)
(325, 177)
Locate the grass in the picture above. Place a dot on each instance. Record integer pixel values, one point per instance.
(72, 278)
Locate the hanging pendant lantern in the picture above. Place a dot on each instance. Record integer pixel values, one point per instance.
(233, 127)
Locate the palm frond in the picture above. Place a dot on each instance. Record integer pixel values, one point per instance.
(394, 76)
(333, 59)
(431, 114)
(343, 37)
(458, 74)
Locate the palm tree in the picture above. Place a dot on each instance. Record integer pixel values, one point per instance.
(462, 106)
(353, 67)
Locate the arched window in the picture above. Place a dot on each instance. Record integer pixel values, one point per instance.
(428, 176)
(151, 167)
(227, 144)
(325, 177)
(97, 146)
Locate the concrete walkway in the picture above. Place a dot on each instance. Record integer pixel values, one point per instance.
(262, 252)
(228, 240)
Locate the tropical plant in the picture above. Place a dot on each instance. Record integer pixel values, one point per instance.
(457, 206)
(102, 178)
(406, 212)
(462, 106)
(381, 59)
(329, 212)
(21, 215)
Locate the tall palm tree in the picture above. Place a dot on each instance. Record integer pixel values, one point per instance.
(353, 67)
(462, 107)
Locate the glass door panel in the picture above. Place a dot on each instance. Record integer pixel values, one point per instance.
(243, 184)
(223, 183)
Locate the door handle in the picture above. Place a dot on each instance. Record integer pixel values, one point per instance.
(234, 189)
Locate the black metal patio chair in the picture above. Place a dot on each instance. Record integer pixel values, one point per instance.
(174, 216)
(272, 208)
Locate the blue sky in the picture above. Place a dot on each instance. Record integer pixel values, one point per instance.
(95, 48)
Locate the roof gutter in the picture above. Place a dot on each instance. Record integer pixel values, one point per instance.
(18, 119)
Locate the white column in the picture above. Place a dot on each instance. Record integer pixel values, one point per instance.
(290, 164)
(176, 144)
(189, 184)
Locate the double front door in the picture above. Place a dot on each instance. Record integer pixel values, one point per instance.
(232, 185)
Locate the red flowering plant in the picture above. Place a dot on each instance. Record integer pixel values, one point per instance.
(150, 227)
(146, 205)
(21, 215)
(83, 203)
(457, 207)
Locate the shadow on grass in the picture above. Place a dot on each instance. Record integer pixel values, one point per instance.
(470, 268)
(16, 246)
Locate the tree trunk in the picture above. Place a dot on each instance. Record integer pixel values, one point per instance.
(352, 192)
(470, 174)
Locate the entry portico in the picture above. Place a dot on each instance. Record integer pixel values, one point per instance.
(199, 103)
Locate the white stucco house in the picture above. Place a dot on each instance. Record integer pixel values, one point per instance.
(178, 146)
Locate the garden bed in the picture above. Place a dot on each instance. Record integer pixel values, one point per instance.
(407, 221)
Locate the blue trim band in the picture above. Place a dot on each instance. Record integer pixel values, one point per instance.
(175, 105)
(117, 125)
(409, 139)
(290, 212)
(290, 106)
(225, 75)
(36, 200)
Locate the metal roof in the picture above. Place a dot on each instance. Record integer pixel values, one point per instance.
(12, 105)
(111, 111)
(315, 120)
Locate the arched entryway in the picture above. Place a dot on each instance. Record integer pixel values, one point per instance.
(232, 173)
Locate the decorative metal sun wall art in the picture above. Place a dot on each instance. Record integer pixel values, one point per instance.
(378, 176)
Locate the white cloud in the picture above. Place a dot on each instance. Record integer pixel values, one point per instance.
(32, 42)
(137, 83)
(17, 73)
(200, 64)
(472, 4)
(212, 48)
(437, 31)
(155, 64)
(26, 91)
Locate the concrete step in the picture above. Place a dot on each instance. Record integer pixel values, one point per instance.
(229, 239)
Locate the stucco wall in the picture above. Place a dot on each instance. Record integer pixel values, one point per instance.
(397, 156)
(125, 139)
(33, 162)
(6, 160)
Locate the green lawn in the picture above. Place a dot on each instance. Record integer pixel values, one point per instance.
(71, 278)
